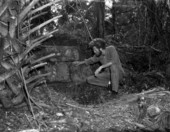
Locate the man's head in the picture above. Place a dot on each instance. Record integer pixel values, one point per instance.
(98, 45)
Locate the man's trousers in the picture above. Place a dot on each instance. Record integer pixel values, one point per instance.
(103, 78)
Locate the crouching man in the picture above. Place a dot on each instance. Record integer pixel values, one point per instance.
(110, 72)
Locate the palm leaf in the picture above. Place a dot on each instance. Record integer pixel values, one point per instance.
(6, 75)
(43, 58)
(36, 77)
(12, 86)
(26, 10)
(7, 65)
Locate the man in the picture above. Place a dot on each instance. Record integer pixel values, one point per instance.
(110, 71)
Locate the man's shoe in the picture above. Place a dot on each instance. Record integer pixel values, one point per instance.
(114, 92)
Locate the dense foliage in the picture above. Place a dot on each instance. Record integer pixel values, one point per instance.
(139, 29)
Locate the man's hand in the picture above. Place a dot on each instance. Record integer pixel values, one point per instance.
(77, 63)
(98, 71)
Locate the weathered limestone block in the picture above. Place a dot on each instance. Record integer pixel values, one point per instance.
(62, 68)
(80, 73)
(59, 72)
(64, 53)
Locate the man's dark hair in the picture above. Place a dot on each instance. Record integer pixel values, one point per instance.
(98, 42)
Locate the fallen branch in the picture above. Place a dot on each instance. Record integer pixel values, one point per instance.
(151, 91)
(28, 97)
(134, 97)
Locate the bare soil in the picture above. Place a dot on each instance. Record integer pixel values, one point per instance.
(66, 107)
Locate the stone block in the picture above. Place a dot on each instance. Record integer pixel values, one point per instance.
(62, 68)
(59, 72)
(80, 73)
(64, 53)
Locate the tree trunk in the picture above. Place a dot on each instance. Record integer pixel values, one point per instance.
(100, 10)
(113, 11)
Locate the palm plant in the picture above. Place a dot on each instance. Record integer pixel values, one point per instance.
(17, 44)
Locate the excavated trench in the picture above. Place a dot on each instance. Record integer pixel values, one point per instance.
(84, 93)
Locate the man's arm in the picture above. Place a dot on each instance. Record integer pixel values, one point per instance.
(91, 60)
(77, 63)
(101, 67)
(106, 65)
(111, 55)
(88, 61)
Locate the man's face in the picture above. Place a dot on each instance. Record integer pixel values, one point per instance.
(97, 51)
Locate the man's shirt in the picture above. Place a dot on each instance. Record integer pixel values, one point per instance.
(111, 55)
